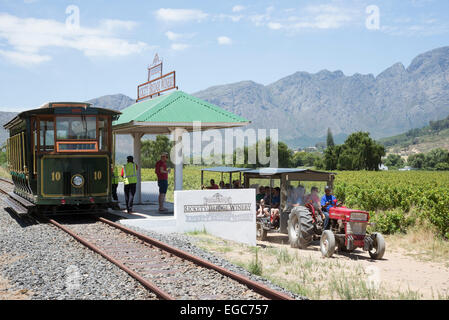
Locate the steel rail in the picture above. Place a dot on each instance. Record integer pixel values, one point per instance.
(257, 287)
(6, 180)
(147, 284)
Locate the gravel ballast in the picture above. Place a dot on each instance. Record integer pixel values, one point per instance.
(46, 263)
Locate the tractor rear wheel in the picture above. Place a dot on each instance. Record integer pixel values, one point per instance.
(327, 243)
(300, 228)
(378, 247)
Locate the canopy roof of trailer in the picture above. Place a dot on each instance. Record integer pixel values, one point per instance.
(163, 114)
(225, 169)
(293, 173)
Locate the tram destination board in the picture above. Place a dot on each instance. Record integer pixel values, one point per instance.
(156, 86)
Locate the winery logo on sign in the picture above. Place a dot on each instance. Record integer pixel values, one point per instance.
(218, 208)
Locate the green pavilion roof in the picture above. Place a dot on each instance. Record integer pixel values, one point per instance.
(176, 109)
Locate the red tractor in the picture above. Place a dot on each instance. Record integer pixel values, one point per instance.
(347, 230)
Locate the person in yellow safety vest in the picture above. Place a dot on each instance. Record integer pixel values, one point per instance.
(129, 174)
(115, 176)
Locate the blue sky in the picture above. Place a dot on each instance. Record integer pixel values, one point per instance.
(45, 55)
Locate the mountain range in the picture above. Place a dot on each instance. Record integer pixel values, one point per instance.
(304, 105)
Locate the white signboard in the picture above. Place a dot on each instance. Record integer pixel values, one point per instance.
(159, 85)
(226, 213)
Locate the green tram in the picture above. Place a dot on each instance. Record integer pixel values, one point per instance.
(60, 157)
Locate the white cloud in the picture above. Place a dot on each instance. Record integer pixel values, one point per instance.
(27, 37)
(274, 25)
(233, 18)
(24, 59)
(179, 46)
(421, 3)
(173, 36)
(111, 24)
(415, 30)
(180, 15)
(263, 18)
(311, 17)
(238, 8)
(223, 40)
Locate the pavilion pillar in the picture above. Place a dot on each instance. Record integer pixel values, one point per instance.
(137, 144)
(177, 157)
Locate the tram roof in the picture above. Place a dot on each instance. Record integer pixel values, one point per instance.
(60, 108)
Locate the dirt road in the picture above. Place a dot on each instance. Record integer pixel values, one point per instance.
(396, 271)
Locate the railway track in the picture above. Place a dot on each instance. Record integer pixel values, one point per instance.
(168, 272)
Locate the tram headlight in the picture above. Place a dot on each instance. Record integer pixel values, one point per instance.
(77, 180)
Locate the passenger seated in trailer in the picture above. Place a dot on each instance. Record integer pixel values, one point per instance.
(262, 210)
(268, 195)
(221, 184)
(261, 194)
(275, 204)
(314, 199)
(213, 185)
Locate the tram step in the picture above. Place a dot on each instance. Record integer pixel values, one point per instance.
(19, 209)
(24, 202)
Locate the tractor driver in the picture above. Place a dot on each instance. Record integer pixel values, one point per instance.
(326, 203)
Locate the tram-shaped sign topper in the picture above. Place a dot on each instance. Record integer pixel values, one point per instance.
(157, 82)
(155, 70)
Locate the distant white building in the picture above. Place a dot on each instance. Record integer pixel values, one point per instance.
(311, 149)
(407, 168)
(383, 167)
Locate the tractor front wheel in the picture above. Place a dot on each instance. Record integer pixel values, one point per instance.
(327, 244)
(378, 247)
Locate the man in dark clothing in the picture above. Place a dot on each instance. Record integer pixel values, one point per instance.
(327, 202)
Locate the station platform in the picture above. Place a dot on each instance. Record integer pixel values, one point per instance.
(146, 215)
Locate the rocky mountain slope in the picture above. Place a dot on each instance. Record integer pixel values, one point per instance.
(113, 101)
(303, 105)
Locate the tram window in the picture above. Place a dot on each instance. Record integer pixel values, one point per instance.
(76, 128)
(103, 134)
(47, 135)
